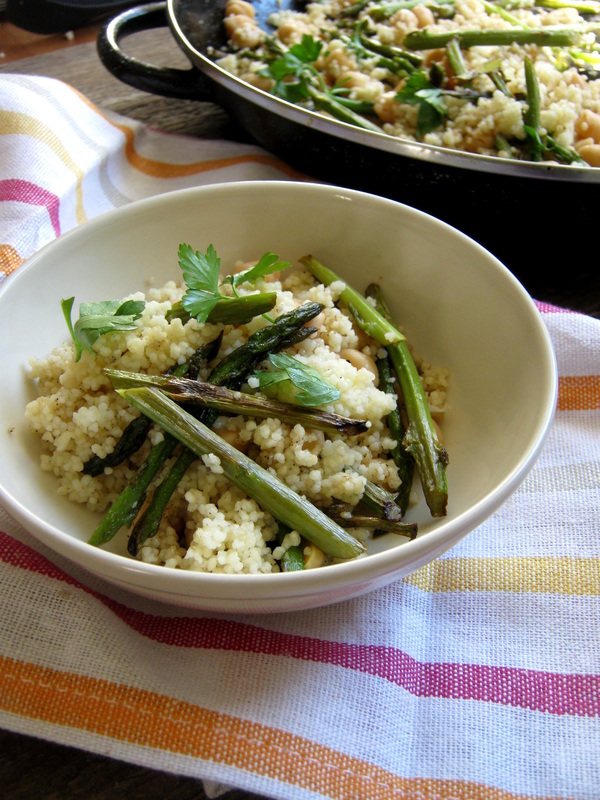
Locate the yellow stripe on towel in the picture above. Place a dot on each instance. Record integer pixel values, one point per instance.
(561, 575)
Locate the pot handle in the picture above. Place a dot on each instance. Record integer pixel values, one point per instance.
(184, 84)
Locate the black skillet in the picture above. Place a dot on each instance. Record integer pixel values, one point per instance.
(539, 219)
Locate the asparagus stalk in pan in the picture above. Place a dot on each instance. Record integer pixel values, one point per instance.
(259, 484)
(342, 110)
(421, 439)
(532, 118)
(404, 57)
(538, 142)
(227, 401)
(444, 8)
(542, 37)
(287, 329)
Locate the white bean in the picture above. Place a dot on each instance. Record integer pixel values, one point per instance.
(361, 360)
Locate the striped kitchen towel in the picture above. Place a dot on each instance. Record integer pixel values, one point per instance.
(478, 676)
(63, 161)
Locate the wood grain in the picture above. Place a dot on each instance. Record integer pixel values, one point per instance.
(16, 43)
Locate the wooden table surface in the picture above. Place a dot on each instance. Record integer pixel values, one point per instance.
(37, 770)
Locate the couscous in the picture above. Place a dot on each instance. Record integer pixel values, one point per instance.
(210, 525)
(414, 69)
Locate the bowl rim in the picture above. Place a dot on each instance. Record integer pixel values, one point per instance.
(182, 583)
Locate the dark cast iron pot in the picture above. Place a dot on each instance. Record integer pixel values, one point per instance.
(538, 218)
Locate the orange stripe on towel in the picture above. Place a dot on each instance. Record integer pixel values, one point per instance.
(9, 259)
(160, 169)
(148, 719)
(579, 393)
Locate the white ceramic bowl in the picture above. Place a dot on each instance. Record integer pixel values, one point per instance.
(458, 304)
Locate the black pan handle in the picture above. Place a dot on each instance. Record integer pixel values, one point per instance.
(184, 84)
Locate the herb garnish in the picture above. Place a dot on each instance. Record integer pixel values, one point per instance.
(201, 276)
(96, 319)
(314, 389)
(419, 90)
(294, 69)
(267, 263)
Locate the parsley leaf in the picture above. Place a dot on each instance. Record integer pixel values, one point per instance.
(418, 90)
(314, 389)
(294, 69)
(268, 263)
(97, 319)
(201, 276)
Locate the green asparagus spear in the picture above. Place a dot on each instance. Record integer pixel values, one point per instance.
(532, 117)
(409, 59)
(203, 355)
(293, 559)
(542, 37)
(444, 8)
(540, 143)
(420, 440)
(134, 434)
(404, 461)
(128, 504)
(494, 8)
(287, 329)
(234, 311)
(379, 500)
(148, 522)
(354, 9)
(370, 320)
(259, 484)
(581, 6)
(324, 101)
(346, 517)
(455, 58)
(133, 437)
(227, 401)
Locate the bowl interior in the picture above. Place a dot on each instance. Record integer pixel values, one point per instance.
(458, 305)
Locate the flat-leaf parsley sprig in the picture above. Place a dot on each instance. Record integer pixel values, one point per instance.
(294, 70)
(314, 389)
(297, 80)
(97, 319)
(201, 273)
